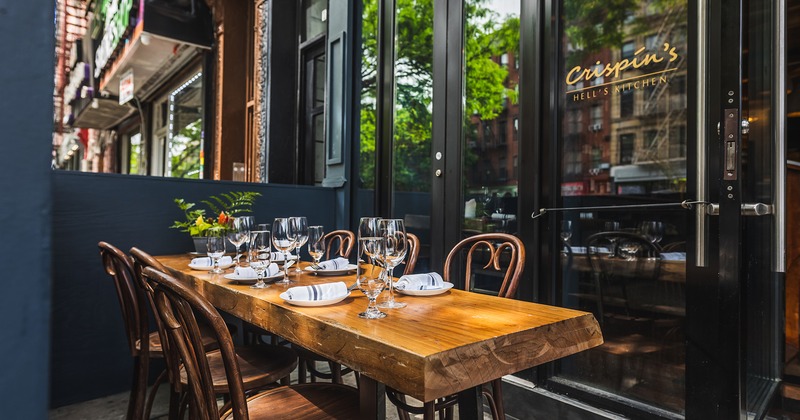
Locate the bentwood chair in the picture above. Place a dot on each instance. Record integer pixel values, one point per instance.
(308, 359)
(260, 365)
(142, 345)
(492, 255)
(341, 242)
(179, 308)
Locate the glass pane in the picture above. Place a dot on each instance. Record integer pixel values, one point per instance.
(315, 18)
(491, 117)
(413, 120)
(622, 114)
(368, 115)
(135, 156)
(185, 148)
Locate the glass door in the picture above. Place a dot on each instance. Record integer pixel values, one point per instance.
(621, 133)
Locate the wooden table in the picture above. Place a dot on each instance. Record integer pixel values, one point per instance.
(436, 346)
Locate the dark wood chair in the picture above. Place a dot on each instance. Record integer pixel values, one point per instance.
(179, 307)
(261, 365)
(142, 345)
(498, 254)
(341, 242)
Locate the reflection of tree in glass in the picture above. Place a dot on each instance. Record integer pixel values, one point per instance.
(591, 25)
(486, 35)
(185, 151)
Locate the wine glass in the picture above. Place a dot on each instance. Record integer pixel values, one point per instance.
(566, 231)
(612, 226)
(392, 252)
(299, 226)
(283, 240)
(215, 246)
(653, 231)
(316, 244)
(259, 255)
(369, 275)
(239, 232)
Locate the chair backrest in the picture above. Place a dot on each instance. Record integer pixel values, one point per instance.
(623, 254)
(142, 260)
(412, 254)
(119, 266)
(501, 253)
(179, 307)
(343, 240)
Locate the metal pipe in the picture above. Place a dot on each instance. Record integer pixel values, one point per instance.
(779, 138)
(701, 247)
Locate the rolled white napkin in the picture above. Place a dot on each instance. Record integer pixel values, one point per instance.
(278, 256)
(425, 281)
(250, 272)
(503, 216)
(323, 291)
(334, 264)
(208, 262)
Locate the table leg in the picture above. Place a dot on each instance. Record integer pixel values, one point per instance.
(372, 398)
(470, 404)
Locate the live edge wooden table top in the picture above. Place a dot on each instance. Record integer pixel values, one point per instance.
(436, 346)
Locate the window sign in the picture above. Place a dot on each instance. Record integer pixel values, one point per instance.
(126, 87)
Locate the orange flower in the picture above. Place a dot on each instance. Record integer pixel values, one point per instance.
(223, 218)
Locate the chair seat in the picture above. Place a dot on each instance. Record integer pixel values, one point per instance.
(259, 365)
(304, 402)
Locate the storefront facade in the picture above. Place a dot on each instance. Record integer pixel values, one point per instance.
(659, 118)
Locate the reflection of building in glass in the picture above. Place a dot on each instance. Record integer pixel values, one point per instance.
(624, 126)
(494, 141)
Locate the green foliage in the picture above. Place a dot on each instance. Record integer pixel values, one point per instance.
(222, 208)
(487, 36)
(185, 151)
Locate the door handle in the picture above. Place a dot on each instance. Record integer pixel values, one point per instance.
(748, 209)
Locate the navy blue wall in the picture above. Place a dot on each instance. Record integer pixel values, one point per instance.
(89, 352)
(26, 123)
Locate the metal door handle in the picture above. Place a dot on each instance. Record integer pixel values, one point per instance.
(748, 209)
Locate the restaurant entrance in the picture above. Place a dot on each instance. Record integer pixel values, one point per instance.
(650, 132)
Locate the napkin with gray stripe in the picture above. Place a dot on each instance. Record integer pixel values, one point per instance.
(424, 281)
(323, 291)
(334, 264)
(208, 262)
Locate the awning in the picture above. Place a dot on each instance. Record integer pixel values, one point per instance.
(649, 171)
(102, 113)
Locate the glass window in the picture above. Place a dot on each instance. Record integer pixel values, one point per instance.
(134, 153)
(626, 148)
(626, 104)
(315, 18)
(185, 134)
(627, 50)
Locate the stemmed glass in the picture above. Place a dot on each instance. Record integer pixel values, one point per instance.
(316, 244)
(369, 275)
(566, 231)
(392, 253)
(299, 226)
(215, 245)
(283, 239)
(653, 231)
(259, 255)
(612, 226)
(239, 232)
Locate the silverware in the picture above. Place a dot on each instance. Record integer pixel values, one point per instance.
(352, 287)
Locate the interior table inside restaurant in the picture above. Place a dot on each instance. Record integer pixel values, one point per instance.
(437, 346)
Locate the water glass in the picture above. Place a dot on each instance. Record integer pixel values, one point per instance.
(392, 252)
(369, 274)
(283, 239)
(316, 244)
(259, 255)
(215, 245)
(299, 227)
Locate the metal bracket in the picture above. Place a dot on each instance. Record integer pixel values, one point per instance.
(748, 209)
